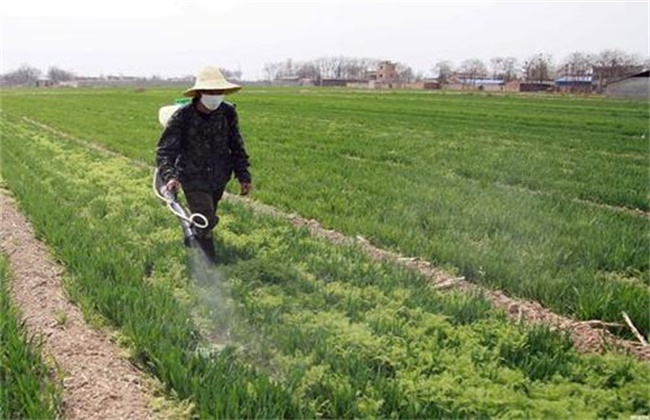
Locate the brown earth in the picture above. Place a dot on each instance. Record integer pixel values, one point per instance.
(98, 381)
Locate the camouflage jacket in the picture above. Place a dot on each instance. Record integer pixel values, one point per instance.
(202, 150)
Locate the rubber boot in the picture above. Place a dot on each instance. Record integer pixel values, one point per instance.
(207, 245)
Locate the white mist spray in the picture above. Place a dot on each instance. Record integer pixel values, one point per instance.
(213, 312)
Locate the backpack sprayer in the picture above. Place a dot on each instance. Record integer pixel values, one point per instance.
(169, 197)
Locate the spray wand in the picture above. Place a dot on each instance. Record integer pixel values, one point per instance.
(188, 221)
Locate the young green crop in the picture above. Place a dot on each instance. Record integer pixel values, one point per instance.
(320, 330)
(537, 196)
(28, 390)
(124, 258)
(367, 339)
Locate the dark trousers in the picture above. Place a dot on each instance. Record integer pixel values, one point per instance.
(205, 203)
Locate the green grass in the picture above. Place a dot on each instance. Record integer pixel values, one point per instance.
(318, 330)
(94, 213)
(28, 389)
(537, 196)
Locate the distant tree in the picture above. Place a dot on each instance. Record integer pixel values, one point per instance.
(281, 69)
(577, 64)
(24, 75)
(473, 69)
(321, 67)
(357, 68)
(539, 68)
(288, 68)
(343, 67)
(616, 58)
(58, 75)
(496, 65)
(307, 70)
(231, 74)
(404, 73)
(272, 70)
(339, 67)
(617, 63)
(444, 69)
(611, 65)
(510, 65)
(504, 68)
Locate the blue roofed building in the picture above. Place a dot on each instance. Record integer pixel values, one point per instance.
(483, 84)
(574, 84)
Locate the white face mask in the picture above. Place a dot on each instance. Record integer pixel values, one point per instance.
(211, 102)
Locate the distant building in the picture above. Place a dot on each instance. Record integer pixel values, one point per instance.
(69, 83)
(483, 84)
(464, 81)
(386, 72)
(604, 75)
(384, 77)
(574, 84)
(44, 82)
(635, 86)
(340, 82)
(430, 84)
(541, 86)
(287, 81)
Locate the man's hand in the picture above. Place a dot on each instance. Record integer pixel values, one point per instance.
(244, 188)
(172, 185)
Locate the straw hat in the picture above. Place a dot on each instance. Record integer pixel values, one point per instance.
(210, 78)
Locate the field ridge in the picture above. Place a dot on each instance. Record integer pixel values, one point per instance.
(443, 163)
(520, 188)
(98, 382)
(634, 211)
(321, 330)
(590, 336)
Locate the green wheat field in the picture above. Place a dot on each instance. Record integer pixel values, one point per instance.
(542, 197)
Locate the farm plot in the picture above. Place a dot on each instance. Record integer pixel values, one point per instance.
(544, 198)
(27, 390)
(317, 330)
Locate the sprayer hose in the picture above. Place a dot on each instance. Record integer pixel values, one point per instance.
(196, 219)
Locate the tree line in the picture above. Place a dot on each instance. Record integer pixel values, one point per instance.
(537, 68)
(347, 68)
(27, 75)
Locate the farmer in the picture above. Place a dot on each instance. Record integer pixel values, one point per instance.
(201, 148)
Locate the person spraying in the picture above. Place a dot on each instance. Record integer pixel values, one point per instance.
(201, 148)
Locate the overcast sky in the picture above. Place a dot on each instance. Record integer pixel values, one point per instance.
(177, 37)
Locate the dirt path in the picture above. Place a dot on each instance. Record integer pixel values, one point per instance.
(98, 382)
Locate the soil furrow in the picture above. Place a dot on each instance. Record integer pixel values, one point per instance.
(588, 336)
(98, 381)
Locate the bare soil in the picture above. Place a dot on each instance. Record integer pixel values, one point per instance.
(98, 381)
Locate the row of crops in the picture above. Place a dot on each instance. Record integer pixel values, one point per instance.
(27, 388)
(312, 330)
(542, 197)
